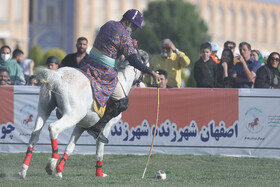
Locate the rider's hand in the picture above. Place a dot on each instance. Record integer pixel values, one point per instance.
(155, 76)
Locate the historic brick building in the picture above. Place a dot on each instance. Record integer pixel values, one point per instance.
(58, 23)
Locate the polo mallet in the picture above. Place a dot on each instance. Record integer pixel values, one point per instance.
(154, 131)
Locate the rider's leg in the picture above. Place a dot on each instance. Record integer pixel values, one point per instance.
(117, 103)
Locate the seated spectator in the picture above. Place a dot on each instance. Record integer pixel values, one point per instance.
(75, 59)
(268, 76)
(4, 77)
(11, 66)
(172, 61)
(256, 55)
(162, 78)
(244, 71)
(214, 51)
(225, 67)
(33, 81)
(52, 63)
(205, 69)
(231, 45)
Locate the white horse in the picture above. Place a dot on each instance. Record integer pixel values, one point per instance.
(70, 91)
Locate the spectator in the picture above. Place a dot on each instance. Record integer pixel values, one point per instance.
(268, 76)
(214, 51)
(18, 55)
(74, 59)
(245, 71)
(231, 45)
(4, 77)
(52, 63)
(33, 81)
(172, 61)
(205, 69)
(225, 68)
(256, 55)
(163, 78)
(11, 66)
(27, 66)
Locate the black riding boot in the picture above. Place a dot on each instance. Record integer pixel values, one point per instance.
(113, 109)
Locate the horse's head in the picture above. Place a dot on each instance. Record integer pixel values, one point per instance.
(143, 56)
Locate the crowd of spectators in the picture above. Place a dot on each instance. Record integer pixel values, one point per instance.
(245, 69)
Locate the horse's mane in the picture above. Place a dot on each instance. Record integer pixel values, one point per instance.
(142, 55)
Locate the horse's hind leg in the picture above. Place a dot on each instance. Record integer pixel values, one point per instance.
(69, 149)
(67, 121)
(44, 111)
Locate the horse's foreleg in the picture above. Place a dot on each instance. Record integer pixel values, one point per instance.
(69, 149)
(55, 129)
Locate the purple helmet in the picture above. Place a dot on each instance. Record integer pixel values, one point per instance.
(134, 16)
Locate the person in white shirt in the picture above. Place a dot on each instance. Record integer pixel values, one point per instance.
(27, 66)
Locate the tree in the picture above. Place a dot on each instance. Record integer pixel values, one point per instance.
(37, 55)
(176, 20)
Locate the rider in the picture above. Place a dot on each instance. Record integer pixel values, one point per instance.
(112, 41)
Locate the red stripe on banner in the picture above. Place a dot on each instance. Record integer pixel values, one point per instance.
(6, 104)
(181, 106)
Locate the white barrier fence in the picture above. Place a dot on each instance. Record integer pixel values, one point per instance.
(244, 122)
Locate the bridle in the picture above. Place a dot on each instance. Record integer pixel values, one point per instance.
(139, 80)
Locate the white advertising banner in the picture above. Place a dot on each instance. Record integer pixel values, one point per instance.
(235, 122)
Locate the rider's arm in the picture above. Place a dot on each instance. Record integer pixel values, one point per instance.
(135, 62)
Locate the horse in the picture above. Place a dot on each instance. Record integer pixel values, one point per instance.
(69, 90)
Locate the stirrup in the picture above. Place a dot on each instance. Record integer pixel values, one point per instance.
(98, 136)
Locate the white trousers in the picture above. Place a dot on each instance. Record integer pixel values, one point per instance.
(118, 92)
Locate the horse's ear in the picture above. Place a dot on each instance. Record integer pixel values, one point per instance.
(144, 56)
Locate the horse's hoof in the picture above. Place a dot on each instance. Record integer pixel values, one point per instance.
(51, 165)
(102, 175)
(22, 173)
(58, 175)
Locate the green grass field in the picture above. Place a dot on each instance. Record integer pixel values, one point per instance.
(127, 170)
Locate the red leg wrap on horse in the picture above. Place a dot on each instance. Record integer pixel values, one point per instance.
(54, 149)
(60, 166)
(28, 156)
(98, 166)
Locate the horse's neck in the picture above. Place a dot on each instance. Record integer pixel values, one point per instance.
(126, 78)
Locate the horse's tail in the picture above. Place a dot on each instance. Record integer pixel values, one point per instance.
(49, 79)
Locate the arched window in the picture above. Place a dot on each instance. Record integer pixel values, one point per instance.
(230, 24)
(87, 14)
(252, 26)
(115, 9)
(50, 13)
(241, 25)
(99, 16)
(17, 11)
(273, 28)
(4, 11)
(208, 16)
(130, 4)
(262, 26)
(197, 4)
(220, 23)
